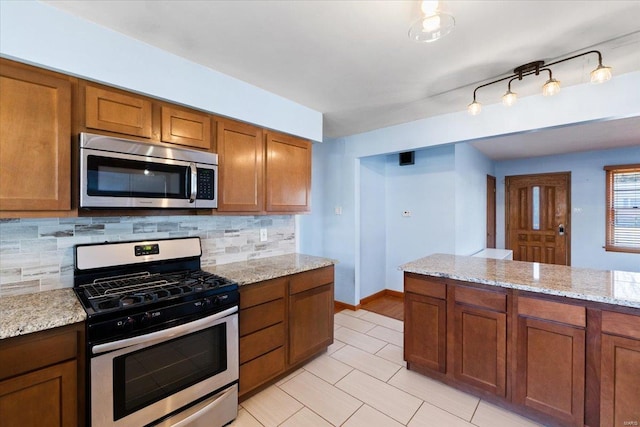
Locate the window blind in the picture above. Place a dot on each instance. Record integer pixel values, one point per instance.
(623, 208)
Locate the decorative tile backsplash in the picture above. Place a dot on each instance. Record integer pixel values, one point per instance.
(37, 254)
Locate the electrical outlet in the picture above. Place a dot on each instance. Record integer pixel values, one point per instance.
(263, 234)
(338, 210)
(406, 213)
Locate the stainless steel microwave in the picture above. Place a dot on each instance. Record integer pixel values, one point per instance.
(120, 173)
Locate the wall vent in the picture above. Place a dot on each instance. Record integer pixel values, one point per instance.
(406, 158)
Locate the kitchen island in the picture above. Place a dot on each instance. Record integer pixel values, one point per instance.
(558, 344)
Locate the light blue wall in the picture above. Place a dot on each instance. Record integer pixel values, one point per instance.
(427, 190)
(42, 35)
(576, 104)
(587, 202)
(472, 168)
(373, 225)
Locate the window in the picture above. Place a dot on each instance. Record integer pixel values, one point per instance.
(623, 208)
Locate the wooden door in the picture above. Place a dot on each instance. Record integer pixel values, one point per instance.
(241, 173)
(35, 139)
(491, 211)
(538, 216)
(288, 173)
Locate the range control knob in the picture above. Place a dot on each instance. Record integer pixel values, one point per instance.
(146, 318)
(126, 324)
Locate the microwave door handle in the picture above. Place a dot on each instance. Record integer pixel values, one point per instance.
(194, 182)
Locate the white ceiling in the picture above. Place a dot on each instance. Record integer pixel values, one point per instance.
(353, 61)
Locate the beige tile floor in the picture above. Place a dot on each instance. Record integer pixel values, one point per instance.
(362, 381)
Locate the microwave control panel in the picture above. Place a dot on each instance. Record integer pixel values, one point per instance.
(205, 184)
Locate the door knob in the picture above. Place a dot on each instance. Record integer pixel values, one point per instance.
(561, 230)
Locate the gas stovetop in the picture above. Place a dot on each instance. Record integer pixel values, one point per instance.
(128, 288)
(144, 288)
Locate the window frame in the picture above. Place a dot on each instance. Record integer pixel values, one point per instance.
(611, 171)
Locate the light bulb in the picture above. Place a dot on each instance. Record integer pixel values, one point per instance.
(431, 23)
(474, 108)
(429, 7)
(601, 74)
(551, 87)
(509, 98)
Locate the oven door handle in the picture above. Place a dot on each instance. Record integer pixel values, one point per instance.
(164, 334)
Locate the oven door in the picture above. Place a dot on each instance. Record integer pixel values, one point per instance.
(139, 380)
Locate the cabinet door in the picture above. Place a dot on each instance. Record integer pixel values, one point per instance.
(425, 331)
(186, 127)
(620, 370)
(288, 173)
(481, 348)
(310, 322)
(46, 397)
(240, 157)
(118, 112)
(550, 359)
(35, 139)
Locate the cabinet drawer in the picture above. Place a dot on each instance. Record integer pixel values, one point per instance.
(33, 351)
(310, 279)
(621, 324)
(270, 290)
(259, 317)
(431, 287)
(481, 298)
(551, 310)
(260, 370)
(261, 342)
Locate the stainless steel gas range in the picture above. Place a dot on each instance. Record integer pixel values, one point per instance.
(162, 335)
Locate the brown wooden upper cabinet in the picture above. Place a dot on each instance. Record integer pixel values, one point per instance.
(240, 170)
(262, 171)
(116, 111)
(186, 127)
(35, 138)
(287, 173)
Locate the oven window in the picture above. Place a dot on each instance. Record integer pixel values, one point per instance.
(153, 373)
(108, 176)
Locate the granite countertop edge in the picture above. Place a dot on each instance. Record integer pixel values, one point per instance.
(27, 313)
(261, 269)
(539, 288)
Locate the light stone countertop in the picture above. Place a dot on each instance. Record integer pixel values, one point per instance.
(27, 313)
(23, 314)
(612, 287)
(257, 270)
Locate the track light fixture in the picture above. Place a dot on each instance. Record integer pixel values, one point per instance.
(551, 87)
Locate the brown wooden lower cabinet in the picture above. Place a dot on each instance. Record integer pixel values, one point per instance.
(550, 359)
(283, 322)
(41, 380)
(620, 370)
(480, 339)
(541, 356)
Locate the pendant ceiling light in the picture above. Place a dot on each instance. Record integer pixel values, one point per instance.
(551, 87)
(433, 25)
